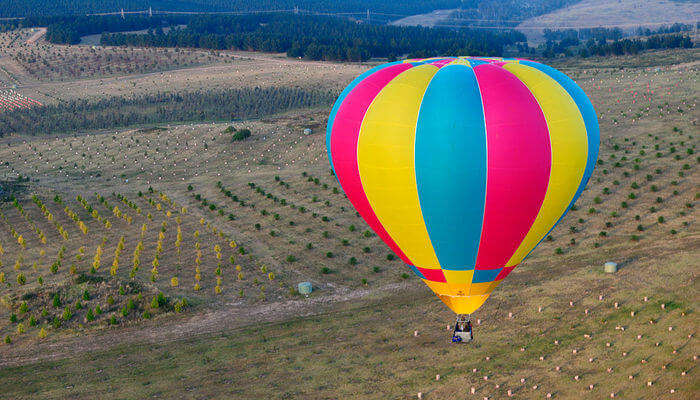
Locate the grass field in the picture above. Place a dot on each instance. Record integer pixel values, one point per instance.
(231, 226)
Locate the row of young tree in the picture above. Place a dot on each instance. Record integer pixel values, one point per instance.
(113, 112)
(320, 37)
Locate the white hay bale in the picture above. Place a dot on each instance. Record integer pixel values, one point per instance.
(610, 267)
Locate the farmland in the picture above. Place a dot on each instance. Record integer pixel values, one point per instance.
(167, 255)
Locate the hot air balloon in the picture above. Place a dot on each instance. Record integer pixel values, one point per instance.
(462, 165)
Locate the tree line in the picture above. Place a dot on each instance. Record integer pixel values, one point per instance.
(196, 106)
(570, 46)
(634, 46)
(573, 35)
(675, 28)
(610, 33)
(320, 37)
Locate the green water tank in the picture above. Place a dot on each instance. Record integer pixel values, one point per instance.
(305, 288)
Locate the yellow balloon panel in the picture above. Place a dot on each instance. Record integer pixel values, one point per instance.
(567, 135)
(385, 153)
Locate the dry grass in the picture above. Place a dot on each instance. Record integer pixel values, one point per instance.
(627, 14)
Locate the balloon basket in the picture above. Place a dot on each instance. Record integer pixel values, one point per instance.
(463, 329)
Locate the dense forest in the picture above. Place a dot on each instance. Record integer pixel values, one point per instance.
(65, 7)
(320, 38)
(68, 30)
(114, 112)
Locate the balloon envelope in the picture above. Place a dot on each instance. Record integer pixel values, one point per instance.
(462, 165)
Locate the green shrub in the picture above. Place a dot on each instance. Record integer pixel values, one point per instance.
(56, 301)
(241, 135)
(67, 314)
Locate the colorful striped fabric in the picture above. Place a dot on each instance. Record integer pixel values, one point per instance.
(462, 165)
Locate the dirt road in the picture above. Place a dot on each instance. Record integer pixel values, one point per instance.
(40, 32)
